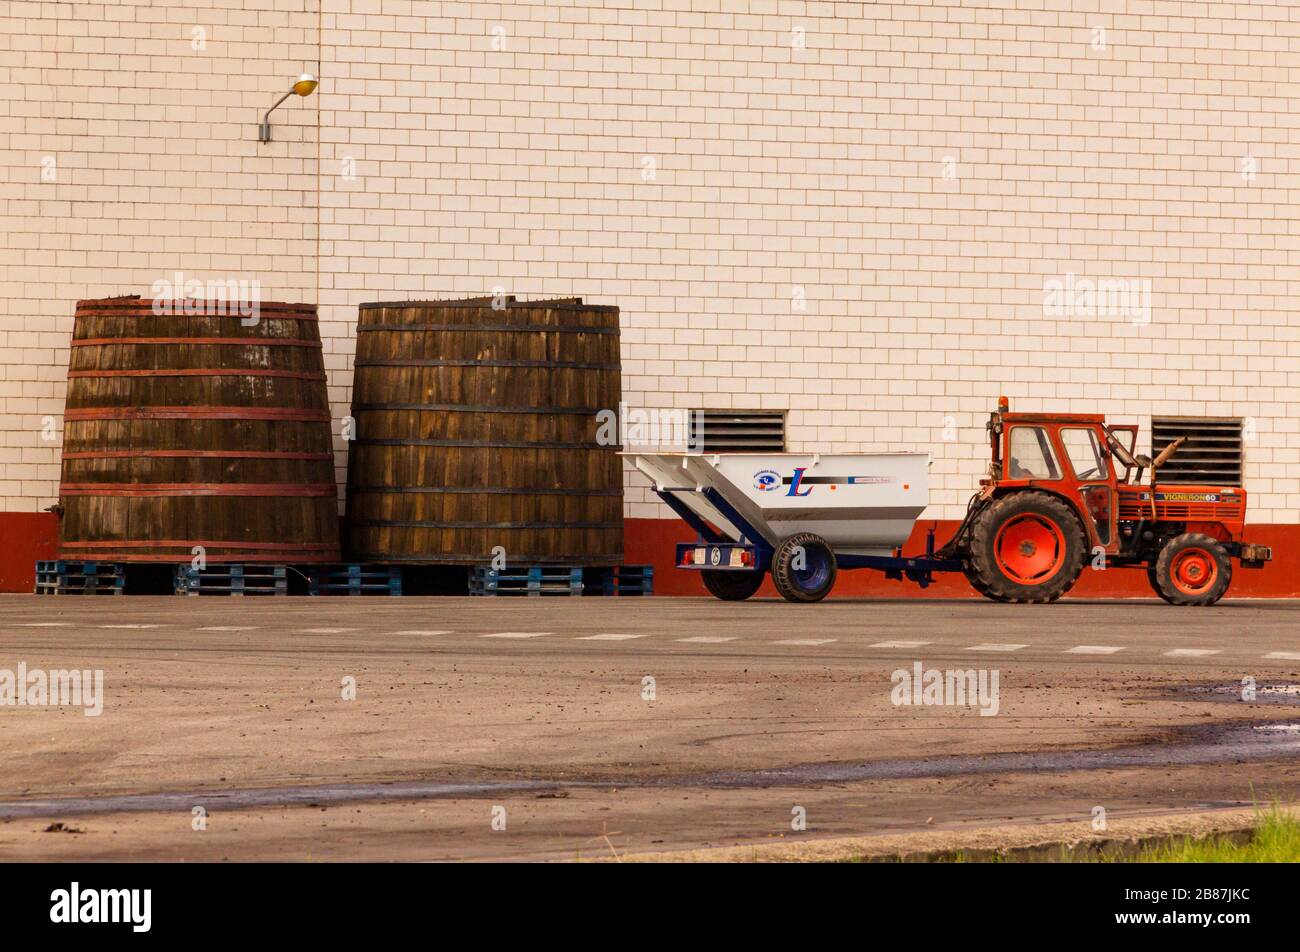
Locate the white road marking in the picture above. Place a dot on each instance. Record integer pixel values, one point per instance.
(517, 634)
(706, 640)
(1191, 652)
(326, 631)
(1093, 649)
(608, 637)
(996, 647)
(229, 628)
(46, 624)
(423, 631)
(131, 626)
(805, 641)
(1284, 655)
(899, 644)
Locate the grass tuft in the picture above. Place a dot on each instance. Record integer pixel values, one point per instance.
(1275, 838)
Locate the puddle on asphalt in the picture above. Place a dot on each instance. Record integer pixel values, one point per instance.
(1205, 744)
(1288, 694)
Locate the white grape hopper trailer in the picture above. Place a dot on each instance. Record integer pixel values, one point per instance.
(801, 517)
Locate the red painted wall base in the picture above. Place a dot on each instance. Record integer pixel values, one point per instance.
(652, 541)
(26, 537)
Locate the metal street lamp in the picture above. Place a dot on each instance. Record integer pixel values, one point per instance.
(305, 86)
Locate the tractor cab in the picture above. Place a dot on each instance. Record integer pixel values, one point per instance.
(1071, 455)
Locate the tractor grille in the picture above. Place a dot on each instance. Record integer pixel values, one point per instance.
(1132, 510)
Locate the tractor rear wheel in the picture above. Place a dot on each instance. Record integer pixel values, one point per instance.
(1026, 547)
(732, 586)
(803, 568)
(978, 585)
(1193, 569)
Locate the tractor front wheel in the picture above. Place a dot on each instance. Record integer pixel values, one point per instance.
(1155, 584)
(803, 568)
(1026, 547)
(1192, 569)
(732, 586)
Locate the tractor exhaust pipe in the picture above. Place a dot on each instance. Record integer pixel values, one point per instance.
(1159, 461)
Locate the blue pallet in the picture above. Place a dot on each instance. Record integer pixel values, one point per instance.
(234, 578)
(60, 577)
(530, 580)
(627, 580)
(354, 579)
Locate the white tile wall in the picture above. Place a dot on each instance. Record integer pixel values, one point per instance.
(915, 172)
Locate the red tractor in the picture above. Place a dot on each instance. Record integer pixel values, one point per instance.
(1055, 501)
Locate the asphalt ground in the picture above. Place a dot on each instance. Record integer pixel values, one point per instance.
(560, 728)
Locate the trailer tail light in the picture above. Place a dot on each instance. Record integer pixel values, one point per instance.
(746, 557)
(688, 557)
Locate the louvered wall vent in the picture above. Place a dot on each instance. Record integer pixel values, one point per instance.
(1212, 453)
(740, 431)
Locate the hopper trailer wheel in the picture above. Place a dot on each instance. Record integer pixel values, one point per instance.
(1192, 569)
(1026, 547)
(803, 568)
(732, 586)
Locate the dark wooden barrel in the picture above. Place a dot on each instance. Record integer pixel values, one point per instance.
(476, 428)
(191, 429)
